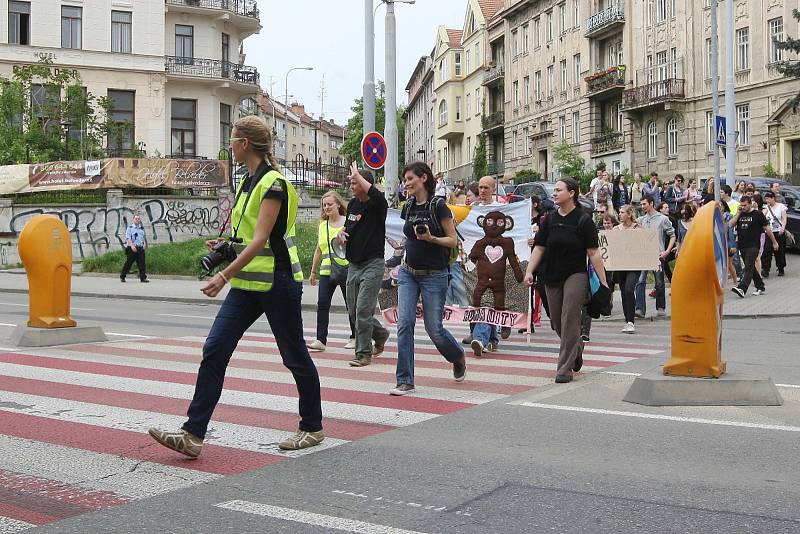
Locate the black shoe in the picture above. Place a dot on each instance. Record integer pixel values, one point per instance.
(764, 274)
(585, 338)
(563, 379)
(467, 340)
(505, 332)
(578, 363)
(145, 281)
(122, 280)
(460, 370)
(781, 273)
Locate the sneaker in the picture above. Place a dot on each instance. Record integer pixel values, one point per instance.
(467, 340)
(522, 331)
(764, 274)
(781, 273)
(505, 332)
(350, 344)
(537, 324)
(379, 345)
(122, 280)
(301, 440)
(460, 370)
(316, 345)
(145, 281)
(361, 361)
(402, 389)
(758, 292)
(639, 314)
(477, 348)
(661, 313)
(585, 338)
(491, 347)
(629, 328)
(181, 441)
(563, 379)
(738, 291)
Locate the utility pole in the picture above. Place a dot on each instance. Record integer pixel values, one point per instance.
(730, 96)
(715, 92)
(369, 68)
(390, 169)
(322, 98)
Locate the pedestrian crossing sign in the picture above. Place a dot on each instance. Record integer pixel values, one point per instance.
(719, 128)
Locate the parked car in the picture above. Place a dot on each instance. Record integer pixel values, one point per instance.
(544, 190)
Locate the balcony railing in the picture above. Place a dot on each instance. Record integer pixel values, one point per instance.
(599, 82)
(613, 14)
(245, 8)
(609, 142)
(653, 94)
(493, 74)
(496, 167)
(212, 68)
(493, 120)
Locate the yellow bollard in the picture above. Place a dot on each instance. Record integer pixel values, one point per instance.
(697, 298)
(46, 252)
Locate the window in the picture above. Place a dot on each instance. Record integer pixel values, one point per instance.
(478, 101)
(563, 75)
(743, 49)
(661, 61)
(184, 44)
(549, 15)
(225, 125)
(458, 108)
(458, 63)
(183, 127)
(514, 44)
(249, 106)
(710, 134)
(562, 18)
(576, 127)
(524, 38)
(443, 113)
(673, 60)
(514, 144)
(527, 88)
(71, 27)
(469, 105)
(537, 76)
(19, 23)
(672, 137)
(516, 93)
(562, 127)
(661, 10)
(743, 124)
(537, 32)
(121, 138)
(577, 22)
(469, 148)
(469, 67)
(526, 142)
(121, 32)
(444, 75)
(478, 59)
(775, 34)
(709, 58)
(576, 62)
(550, 80)
(45, 101)
(652, 141)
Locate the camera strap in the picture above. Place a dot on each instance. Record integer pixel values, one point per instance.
(262, 170)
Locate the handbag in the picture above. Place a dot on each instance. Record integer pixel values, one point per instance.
(600, 302)
(338, 272)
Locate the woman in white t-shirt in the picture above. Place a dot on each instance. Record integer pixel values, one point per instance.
(776, 216)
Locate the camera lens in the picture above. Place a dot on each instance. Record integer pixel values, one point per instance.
(420, 229)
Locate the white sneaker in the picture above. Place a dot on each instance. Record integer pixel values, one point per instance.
(316, 345)
(661, 313)
(628, 328)
(350, 344)
(758, 292)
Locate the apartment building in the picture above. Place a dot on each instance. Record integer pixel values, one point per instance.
(173, 68)
(419, 141)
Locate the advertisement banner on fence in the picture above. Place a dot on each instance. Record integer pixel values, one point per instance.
(113, 172)
(494, 257)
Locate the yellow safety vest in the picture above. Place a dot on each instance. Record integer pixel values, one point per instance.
(259, 274)
(325, 247)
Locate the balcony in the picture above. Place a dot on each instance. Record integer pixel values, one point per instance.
(212, 69)
(243, 13)
(653, 94)
(496, 167)
(494, 75)
(608, 143)
(493, 121)
(606, 83)
(450, 130)
(605, 22)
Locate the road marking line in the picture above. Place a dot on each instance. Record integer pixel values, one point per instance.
(9, 525)
(185, 316)
(309, 518)
(127, 335)
(788, 386)
(26, 305)
(621, 373)
(7, 324)
(641, 415)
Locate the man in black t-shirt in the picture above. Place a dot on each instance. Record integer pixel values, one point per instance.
(364, 234)
(750, 224)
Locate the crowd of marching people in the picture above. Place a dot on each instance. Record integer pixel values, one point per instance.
(565, 271)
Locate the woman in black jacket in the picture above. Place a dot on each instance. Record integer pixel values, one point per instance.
(619, 194)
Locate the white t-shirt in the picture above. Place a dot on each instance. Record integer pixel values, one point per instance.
(774, 217)
(594, 186)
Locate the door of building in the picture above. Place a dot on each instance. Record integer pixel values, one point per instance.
(795, 179)
(543, 164)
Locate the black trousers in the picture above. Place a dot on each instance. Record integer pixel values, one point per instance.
(780, 254)
(749, 256)
(137, 257)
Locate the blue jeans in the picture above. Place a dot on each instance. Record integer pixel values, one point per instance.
(661, 299)
(241, 309)
(457, 290)
(325, 292)
(433, 288)
(485, 333)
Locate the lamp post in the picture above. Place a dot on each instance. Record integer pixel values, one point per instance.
(286, 107)
(65, 125)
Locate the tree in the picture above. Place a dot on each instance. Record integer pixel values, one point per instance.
(480, 167)
(790, 68)
(354, 131)
(36, 107)
(570, 164)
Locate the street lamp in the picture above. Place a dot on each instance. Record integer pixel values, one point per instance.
(65, 126)
(286, 107)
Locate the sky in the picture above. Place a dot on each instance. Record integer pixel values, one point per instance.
(329, 36)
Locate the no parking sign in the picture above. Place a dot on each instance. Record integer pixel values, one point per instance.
(373, 150)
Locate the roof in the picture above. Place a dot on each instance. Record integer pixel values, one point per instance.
(454, 38)
(490, 8)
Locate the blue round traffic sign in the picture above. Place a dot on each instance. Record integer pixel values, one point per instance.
(373, 150)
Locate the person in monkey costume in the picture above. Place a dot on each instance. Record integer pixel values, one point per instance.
(490, 254)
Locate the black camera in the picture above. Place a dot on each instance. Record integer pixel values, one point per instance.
(421, 229)
(223, 251)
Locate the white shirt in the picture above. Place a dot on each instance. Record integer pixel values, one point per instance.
(441, 188)
(775, 214)
(594, 186)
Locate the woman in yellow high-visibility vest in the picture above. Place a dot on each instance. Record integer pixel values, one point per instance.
(332, 269)
(266, 279)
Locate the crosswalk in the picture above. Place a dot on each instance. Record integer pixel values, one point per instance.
(73, 419)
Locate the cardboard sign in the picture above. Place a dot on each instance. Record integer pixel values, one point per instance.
(630, 250)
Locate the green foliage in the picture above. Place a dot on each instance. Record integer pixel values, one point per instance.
(790, 68)
(71, 197)
(769, 171)
(527, 175)
(480, 167)
(570, 164)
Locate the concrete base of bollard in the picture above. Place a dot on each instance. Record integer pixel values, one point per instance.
(728, 390)
(27, 336)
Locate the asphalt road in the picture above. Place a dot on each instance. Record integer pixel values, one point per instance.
(571, 458)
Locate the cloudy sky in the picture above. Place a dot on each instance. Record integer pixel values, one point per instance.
(329, 36)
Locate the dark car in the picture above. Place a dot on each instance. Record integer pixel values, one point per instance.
(544, 190)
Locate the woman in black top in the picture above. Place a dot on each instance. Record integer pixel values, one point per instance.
(619, 195)
(425, 271)
(567, 235)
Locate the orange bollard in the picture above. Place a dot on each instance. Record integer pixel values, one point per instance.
(697, 295)
(46, 252)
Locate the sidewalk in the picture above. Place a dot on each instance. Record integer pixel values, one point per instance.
(781, 300)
